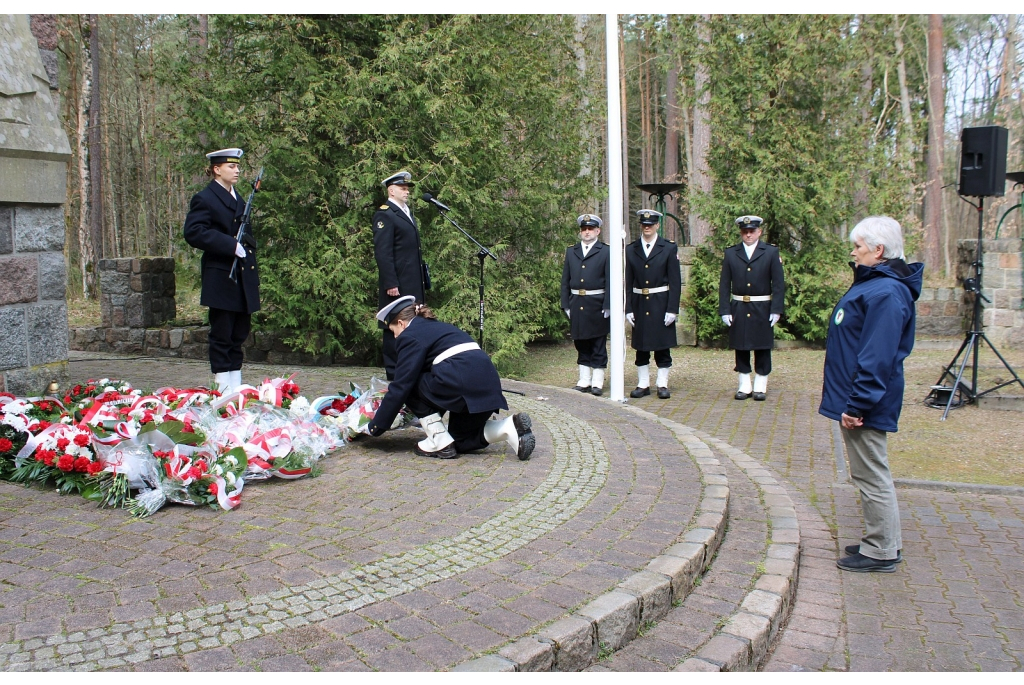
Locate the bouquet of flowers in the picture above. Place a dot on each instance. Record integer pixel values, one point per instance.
(62, 453)
(204, 477)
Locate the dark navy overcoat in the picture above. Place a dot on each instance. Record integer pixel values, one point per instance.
(464, 383)
(396, 247)
(586, 317)
(660, 269)
(760, 275)
(212, 226)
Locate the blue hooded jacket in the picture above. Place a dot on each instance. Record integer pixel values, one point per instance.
(870, 334)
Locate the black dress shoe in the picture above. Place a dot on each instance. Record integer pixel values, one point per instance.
(759, 397)
(594, 390)
(443, 453)
(663, 394)
(855, 549)
(741, 395)
(583, 388)
(858, 563)
(639, 392)
(524, 429)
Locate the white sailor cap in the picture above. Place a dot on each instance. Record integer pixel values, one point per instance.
(225, 156)
(402, 178)
(388, 311)
(589, 221)
(749, 221)
(648, 216)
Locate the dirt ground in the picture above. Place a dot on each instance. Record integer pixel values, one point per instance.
(971, 446)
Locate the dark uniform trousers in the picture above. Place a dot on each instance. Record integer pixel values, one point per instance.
(587, 323)
(759, 275)
(396, 249)
(211, 226)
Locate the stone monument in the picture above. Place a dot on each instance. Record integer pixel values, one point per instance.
(34, 153)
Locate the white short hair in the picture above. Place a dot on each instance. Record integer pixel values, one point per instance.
(880, 230)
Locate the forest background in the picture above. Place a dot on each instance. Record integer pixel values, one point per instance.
(809, 121)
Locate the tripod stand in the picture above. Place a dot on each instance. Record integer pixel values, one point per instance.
(972, 343)
(482, 254)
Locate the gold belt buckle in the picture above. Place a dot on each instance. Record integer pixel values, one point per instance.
(746, 298)
(581, 292)
(645, 291)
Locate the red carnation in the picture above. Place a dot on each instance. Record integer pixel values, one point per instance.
(90, 388)
(62, 443)
(66, 462)
(45, 456)
(338, 405)
(67, 399)
(43, 425)
(94, 468)
(201, 465)
(6, 445)
(188, 428)
(82, 464)
(77, 390)
(213, 489)
(81, 439)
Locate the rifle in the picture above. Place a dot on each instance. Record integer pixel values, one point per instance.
(242, 236)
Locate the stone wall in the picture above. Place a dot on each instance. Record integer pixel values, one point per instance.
(33, 167)
(191, 342)
(136, 293)
(940, 311)
(1002, 317)
(686, 327)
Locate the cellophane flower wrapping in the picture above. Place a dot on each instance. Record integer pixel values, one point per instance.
(104, 438)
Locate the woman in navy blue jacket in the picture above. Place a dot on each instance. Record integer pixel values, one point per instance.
(870, 334)
(440, 369)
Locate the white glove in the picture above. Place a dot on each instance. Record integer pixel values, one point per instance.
(773, 319)
(727, 319)
(567, 314)
(631, 319)
(239, 251)
(670, 318)
(606, 313)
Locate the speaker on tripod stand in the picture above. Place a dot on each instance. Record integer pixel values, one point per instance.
(982, 174)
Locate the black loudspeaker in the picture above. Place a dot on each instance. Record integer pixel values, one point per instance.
(983, 161)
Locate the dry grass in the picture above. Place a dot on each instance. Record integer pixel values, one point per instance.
(973, 445)
(85, 313)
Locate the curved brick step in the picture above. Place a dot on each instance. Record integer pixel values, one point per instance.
(723, 586)
(614, 619)
(748, 633)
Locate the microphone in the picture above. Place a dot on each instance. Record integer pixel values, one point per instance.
(427, 197)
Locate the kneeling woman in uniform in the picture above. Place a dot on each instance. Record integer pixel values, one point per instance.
(440, 369)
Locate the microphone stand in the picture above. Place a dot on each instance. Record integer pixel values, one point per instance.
(482, 254)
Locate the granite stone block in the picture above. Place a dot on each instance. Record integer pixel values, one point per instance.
(39, 228)
(616, 616)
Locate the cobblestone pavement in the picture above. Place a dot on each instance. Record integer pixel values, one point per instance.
(392, 562)
(386, 561)
(956, 603)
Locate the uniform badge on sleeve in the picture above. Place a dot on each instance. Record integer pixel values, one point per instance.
(380, 224)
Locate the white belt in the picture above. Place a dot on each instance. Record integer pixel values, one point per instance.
(648, 291)
(452, 351)
(752, 298)
(587, 292)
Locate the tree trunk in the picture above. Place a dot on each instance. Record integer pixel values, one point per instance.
(95, 145)
(907, 129)
(672, 147)
(860, 194)
(1006, 76)
(86, 246)
(936, 126)
(579, 43)
(700, 182)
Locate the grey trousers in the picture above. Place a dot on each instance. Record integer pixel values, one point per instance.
(869, 468)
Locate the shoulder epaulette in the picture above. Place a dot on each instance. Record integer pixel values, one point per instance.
(383, 207)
